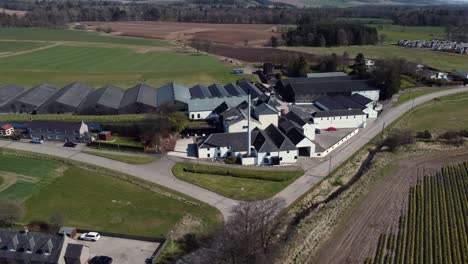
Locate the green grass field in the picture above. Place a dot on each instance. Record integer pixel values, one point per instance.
(410, 95)
(99, 202)
(123, 158)
(15, 46)
(124, 67)
(440, 60)
(239, 188)
(91, 200)
(445, 113)
(43, 34)
(39, 173)
(397, 32)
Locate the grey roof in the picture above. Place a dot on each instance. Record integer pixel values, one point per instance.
(140, 93)
(360, 99)
(172, 92)
(92, 99)
(326, 74)
(327, 103)
(237, 114)
(262, 143)
(264, 109)
(200, 91)
(304, 111)
(348, 103)
(234, 90)
(59, 125)
(294, 117)
(9, 93)
(247, 86)
(14, 246)
(295, 135)
(73, 94)
(306, 80)
(73, 251)
(285, 125)
(328, 85)
(66, 230)
(111, 96)
(339, 113)
(217, 90)
(38, 95)
(279, 139)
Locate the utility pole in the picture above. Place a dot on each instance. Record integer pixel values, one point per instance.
(412, 105)
(329, 165)
(248, 127)
(172, 242)
(383, 128)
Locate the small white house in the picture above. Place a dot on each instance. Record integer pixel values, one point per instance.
(7, 130)
(340, 119)
(236, 119)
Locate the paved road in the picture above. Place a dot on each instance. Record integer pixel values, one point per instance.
(315, 173)
(160, 172)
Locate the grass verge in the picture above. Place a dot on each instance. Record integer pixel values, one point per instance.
(239, 184)
(135, 160)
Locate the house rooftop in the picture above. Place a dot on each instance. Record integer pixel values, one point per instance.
(73, 94)
(38, 95)
(326, 74)
(9, 93)
(140, 93)
(333, 113)
(111, 96)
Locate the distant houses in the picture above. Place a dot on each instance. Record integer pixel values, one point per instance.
(436, 45)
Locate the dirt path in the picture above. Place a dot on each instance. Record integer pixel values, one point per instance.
(10, 178)
(30, 50)
(380, 210)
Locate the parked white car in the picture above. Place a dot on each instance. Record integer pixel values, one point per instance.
(91, 236)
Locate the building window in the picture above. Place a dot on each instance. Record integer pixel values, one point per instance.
(219, 148)
(268, 154)
(208, 149)
(346, 117)
(198, 115)
(208, 155)
(193, 116)
(287, 151)
(219, 154)
(281, 158)
(295, 157)
(76, 131)
(49, 130)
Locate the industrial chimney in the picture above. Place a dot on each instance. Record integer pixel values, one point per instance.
(248, 126)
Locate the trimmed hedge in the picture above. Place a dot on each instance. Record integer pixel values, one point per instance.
(266, 175)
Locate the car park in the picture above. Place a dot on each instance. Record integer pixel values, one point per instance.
(90, 236)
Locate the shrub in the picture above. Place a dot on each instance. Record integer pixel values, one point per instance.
(10, 212)
(449, 135)
(456, 141)
(398, 138)
(178, 121)
(424, 134)
(231, 160)
(337, 182)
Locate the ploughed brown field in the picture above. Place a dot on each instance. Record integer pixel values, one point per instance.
(258, 54)
(231, 34)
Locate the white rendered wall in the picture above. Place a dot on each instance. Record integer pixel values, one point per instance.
(340, 122)
(373, 94)
(199, 115)
(330, 149)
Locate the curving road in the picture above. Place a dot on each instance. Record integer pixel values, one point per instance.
(160, 172)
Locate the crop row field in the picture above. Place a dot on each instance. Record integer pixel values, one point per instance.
(434, 228)
(88, 199)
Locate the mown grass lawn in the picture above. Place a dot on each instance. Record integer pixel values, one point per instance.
(45, 34)
(135, 160)
(410, 95)
(239, 188)
(123, 67)
(41, 172)
(439, 115)
(441, 60)
(100, 202)
(15, 46)
(398, 32)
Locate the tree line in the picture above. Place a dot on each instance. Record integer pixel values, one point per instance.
(58, 13)
(339, 34)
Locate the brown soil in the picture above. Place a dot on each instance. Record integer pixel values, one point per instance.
(252, 54)
(233, 34)
(380, 210)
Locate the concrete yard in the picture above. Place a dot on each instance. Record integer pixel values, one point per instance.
(122, 251)
(327, 139)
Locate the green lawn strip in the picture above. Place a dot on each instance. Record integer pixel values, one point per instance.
(397, 32)
(246, 185)
(124, 158)
(44, 34)
(410, 95)
(439, 115)
(98, 66)
(123, 141)
(92, 197)
(15, 46)
(74, 118)
(42, 173)
(445, 61)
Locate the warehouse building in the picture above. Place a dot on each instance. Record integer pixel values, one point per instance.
(306, 90)
(103, 101)
(67, 100)
(172, 97)
(139, 99)
(59, 131)
(8, 94)
(33, 99)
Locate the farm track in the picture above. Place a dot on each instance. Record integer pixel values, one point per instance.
(9, 54)
(381, 209)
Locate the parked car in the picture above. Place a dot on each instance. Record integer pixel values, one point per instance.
(69, 144)
(100, 260)
(37, 140)
(317, 131)
(90, 236)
